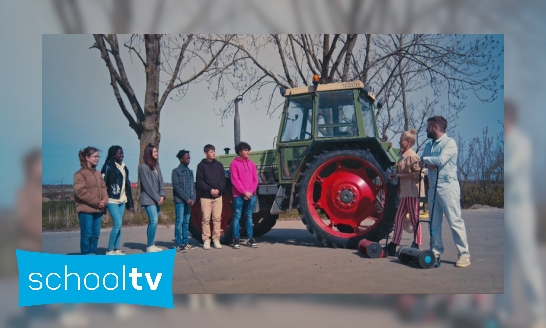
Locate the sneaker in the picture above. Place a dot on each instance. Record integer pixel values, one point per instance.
(111, 253)
(153, 249)
(217, 244)
(236, 243)
(119, 252)
(180, 249)
(188, 247)
(206, 244)
(251, 243)
(463, 262)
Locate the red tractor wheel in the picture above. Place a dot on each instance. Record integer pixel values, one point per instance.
(344, 197)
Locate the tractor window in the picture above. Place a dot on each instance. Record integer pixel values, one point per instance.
(367, 116)
(298, 119)
(336, 114)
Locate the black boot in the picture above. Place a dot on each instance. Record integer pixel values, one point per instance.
(390, 249)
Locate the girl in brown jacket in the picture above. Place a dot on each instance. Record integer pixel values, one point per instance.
(91, 199)
(408, 172)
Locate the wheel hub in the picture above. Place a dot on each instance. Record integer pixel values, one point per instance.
(346, 196)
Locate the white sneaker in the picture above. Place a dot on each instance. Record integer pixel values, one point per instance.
(206, 244)
(462, 262)
(217, 244)
(119, 252)
(153, 249)
(112, 252)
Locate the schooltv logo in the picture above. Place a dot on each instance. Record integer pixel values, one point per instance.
(143, 279)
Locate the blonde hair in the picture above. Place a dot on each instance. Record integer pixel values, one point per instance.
(410, 136)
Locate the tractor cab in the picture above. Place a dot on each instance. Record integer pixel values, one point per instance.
(315, 118)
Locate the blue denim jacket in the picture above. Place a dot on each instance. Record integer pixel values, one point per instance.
(183, 184)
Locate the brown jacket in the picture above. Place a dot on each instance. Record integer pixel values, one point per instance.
(409, 186)
(89, 190)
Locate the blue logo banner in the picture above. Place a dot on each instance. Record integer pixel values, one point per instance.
(143, 279)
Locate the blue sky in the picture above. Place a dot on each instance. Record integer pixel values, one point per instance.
(79, 109)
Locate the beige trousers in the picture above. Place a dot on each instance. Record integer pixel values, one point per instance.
(208, 207)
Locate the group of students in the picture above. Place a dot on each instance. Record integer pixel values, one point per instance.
(111, 189)
(95, 192)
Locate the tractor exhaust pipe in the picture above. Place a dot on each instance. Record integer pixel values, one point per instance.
(237, 121)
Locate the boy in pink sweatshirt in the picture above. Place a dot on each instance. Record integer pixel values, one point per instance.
(244, 181)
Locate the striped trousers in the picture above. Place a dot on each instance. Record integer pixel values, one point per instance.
(407, 205)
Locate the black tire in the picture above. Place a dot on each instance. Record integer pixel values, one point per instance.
(263, 223)
(339, 238)
(226, 234)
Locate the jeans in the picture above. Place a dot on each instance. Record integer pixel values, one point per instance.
(245, 207)
(153, 214)
(90, 224)
(182, 211)
(116, 211)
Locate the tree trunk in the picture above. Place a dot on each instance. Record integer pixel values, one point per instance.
(150, 126)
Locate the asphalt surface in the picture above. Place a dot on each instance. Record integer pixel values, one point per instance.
(290, 260)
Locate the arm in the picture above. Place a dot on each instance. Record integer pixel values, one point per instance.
(254, 179)
(104, 190)
(449, 150)
(201, 184)
(222, 179)
(193, 186)
(175, 180)
(128, 190)
(235, 178)
(162, 192)
(82, 193)
(105, 174)
(415, 169)
(146, 182)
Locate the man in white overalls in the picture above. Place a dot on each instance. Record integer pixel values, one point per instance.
(440, 157)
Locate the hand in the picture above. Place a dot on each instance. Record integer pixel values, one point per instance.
(191, 202)
(248, 195)
(102, 204)
(161, 200)
(214, 192)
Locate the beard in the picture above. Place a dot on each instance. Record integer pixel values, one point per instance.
(430, 135)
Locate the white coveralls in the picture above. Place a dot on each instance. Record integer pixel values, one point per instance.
(442, 153)
(520, 242)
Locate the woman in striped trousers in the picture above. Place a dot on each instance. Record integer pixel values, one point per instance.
(408, 173)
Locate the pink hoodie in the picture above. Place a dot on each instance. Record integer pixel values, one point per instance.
(244, 176)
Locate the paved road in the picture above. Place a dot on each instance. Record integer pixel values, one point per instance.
(290, 260)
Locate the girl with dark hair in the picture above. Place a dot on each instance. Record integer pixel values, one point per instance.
(152, 192)
(91, 199)
(116, 178)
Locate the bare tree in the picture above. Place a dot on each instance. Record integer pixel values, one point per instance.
(441, 70)
(182, 59)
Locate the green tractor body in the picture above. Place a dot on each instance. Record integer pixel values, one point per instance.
(329, 164)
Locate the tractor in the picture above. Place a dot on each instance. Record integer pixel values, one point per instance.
(329, 163)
